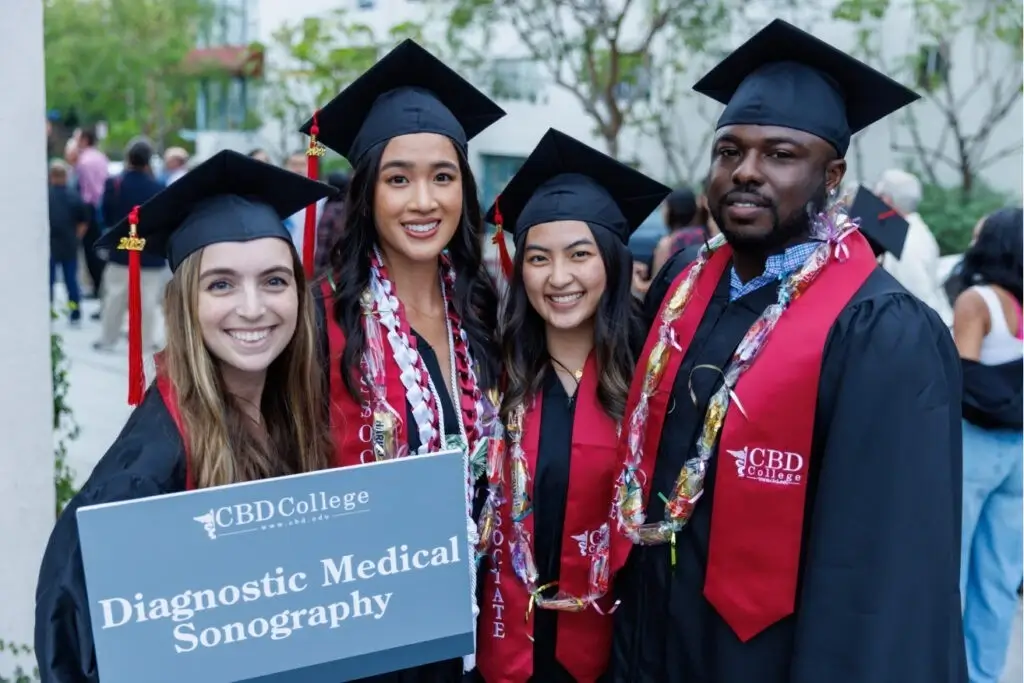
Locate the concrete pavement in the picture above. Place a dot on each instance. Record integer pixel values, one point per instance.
(98, 393)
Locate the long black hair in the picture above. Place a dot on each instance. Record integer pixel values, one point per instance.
(474, 299)
(996, 256)
(618, 332)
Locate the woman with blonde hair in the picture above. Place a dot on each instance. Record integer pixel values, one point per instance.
(235, 398)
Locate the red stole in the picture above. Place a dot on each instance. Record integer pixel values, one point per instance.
(761, 482)
(352, 421)
(505, 648)
(170, 397)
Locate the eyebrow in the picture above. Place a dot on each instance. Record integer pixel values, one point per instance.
(408, 165)
(231, 272)
(578, 243)
(775, 140)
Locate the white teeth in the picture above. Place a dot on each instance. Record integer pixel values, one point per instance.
(566, 298)
(745, 205)
(250, 336)
(420, 227)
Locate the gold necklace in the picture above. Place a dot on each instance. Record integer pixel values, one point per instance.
(576, 374)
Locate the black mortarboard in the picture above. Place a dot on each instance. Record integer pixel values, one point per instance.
(786, 77)
(882, 225)
(408, 91)
(227, 198)
(564, 179)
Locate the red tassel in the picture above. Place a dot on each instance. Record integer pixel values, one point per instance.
(313, 154)
(499, 241)
(134, 246)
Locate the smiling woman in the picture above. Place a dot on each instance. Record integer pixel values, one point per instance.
(236, 397)
(408, 307)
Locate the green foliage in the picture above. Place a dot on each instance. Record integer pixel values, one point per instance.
(321, 55)
(19, 675)
(120, 61)
(64, 426)
(952, 218)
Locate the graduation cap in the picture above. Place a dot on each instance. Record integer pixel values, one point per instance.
(407, 91)
(228, 198)
(786, 77)
(564, 179)
(884, 228)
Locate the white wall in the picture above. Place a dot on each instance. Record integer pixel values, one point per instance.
(26, 436)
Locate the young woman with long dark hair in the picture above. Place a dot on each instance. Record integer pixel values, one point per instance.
(236, 396)
(570, 334)
(989, 334)
(410, 310)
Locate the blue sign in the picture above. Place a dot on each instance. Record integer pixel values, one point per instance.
(329, 576)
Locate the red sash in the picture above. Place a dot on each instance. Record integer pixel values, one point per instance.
(170, 397)
(352, 422)
(761, 484)
(685, 327)
(505, 648)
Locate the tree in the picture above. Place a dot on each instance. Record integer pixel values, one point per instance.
(985, 32)
(316, 58)
(121, 61)
(620, 59)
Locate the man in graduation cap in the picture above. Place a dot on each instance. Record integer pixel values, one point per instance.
(793, 433)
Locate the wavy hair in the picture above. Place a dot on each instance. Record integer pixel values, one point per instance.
(475, 298)
(224, 447)
(996, 257)
(618, 332)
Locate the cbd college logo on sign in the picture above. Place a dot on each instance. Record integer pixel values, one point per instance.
(769, 465)
(263, 515)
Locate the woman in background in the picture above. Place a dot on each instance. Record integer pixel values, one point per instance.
(989, 335)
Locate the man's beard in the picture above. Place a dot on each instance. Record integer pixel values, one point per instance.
(784, 231)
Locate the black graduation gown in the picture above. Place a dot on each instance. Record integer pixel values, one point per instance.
(878, 592)
(550, 497)
(147, 459)
(448, 671)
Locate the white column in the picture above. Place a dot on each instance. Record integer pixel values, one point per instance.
(26, 408)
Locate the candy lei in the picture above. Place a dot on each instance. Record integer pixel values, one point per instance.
(831, 228)
(421, 393)
(522, 545)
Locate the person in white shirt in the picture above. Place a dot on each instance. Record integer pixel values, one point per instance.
(918, 269)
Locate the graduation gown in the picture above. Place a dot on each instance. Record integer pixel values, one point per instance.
(147, 459)
(575, 464)
(877, 596)
(449, 671)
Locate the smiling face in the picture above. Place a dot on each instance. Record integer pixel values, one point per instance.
(417, 202)
(248, 302)
(563, 273)
(766, 182)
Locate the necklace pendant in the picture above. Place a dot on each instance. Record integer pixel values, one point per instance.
(578, 375)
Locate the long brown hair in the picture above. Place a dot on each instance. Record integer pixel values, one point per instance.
(223, 445)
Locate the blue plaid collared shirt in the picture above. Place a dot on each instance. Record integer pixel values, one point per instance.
(776, 267)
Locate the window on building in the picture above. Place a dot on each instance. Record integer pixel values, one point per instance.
(635, 82)
(932, 67)
(498, 169)
(515, 79)
(224, 104)
(232, 22)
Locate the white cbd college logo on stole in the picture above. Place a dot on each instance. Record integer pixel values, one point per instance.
(587, 541)
(263, 515)
(769, 466)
